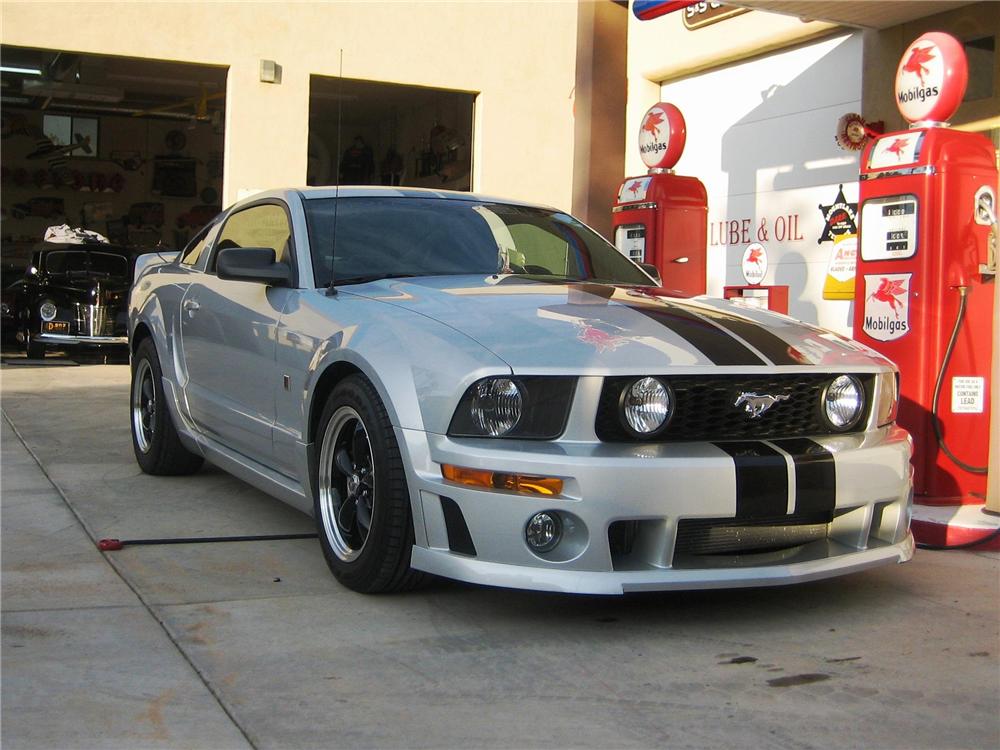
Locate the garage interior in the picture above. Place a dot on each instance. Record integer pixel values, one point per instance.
(389, 134)
(130, 148)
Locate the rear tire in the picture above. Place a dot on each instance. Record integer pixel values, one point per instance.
(158, 448)
(33, 349)
(361, 503)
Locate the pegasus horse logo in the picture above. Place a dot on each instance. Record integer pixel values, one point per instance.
(756, 404)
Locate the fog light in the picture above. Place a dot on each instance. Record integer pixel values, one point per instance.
(543, 532)
(47, 310)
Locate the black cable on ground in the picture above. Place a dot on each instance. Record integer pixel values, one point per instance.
(111, 545)
(965, 545)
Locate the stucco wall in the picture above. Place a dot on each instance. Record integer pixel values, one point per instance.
(664, 50)
(520, 59)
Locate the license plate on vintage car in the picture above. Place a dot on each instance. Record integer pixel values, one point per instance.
(57, 326)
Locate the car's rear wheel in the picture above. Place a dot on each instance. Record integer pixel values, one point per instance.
(157, 446)
(362, 505)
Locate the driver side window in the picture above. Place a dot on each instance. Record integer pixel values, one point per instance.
(258, 226)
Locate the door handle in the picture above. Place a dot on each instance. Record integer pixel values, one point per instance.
(191, 307)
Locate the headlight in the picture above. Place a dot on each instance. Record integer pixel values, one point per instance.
(887, 387)
(843, 402)
(514, 407)
(47, 310)
(496, 406)
(646, 406)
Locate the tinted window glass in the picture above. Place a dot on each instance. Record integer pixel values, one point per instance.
(259, 226)
(434, 236)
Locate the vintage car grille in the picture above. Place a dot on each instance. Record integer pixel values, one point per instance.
(705, 407)
(719, 536)
(95, 320)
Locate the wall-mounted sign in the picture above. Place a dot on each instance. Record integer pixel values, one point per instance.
(699, 15)
(840, 217)
(662, 134)
(931, 78)
(839, 281)
(754, 263)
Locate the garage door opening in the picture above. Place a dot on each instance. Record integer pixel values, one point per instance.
(389, 134)
(129, 148)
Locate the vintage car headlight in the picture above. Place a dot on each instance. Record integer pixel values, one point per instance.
(47, 310)
(843, 402)
(522, 407)
(647, 406)
(887, 387)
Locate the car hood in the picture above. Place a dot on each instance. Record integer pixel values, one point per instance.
(540, 327)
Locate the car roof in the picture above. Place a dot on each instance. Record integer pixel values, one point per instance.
(44, 247)
(380, 191)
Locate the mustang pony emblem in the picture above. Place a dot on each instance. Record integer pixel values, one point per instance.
(756, 404)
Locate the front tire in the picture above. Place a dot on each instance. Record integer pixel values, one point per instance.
(158, 448)
(362, 505)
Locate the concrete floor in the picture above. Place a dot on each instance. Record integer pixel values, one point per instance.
(255, 644)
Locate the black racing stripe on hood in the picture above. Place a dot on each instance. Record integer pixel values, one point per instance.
(719, 346)
(775, 348)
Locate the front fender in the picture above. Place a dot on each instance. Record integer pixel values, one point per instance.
(420, 367)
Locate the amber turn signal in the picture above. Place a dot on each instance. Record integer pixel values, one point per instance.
(494, 480)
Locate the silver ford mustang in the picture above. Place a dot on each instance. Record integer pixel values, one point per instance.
(488, 391)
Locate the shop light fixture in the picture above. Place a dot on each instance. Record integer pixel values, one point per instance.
(22, 71)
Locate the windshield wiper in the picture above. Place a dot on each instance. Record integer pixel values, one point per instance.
(369, 277)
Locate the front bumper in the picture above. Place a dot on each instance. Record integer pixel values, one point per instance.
(654, 488)
(62, 339)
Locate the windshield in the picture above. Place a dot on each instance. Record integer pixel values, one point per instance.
(387, 237)
(84, 263)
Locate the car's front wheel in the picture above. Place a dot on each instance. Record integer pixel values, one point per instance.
(157, 446)
(362, 506)
(33, 349)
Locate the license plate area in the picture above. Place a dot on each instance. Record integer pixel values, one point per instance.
(55, 326)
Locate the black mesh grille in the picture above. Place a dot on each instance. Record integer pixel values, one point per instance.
(705, 407)
(713, 536)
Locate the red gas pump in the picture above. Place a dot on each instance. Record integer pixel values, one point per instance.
(662, 218)
(924, 290)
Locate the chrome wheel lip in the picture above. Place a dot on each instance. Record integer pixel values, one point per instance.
(331, 498)
(143, 406)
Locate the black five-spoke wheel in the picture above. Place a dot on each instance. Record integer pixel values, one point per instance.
(158, 447)
(361, 502)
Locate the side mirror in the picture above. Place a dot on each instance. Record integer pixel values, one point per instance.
(252, 264)
(652, 271)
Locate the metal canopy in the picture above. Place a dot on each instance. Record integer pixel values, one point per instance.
(862, 14)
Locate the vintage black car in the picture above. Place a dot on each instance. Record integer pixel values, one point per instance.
(72, 295)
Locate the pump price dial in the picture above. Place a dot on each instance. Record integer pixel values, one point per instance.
(889, 228)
